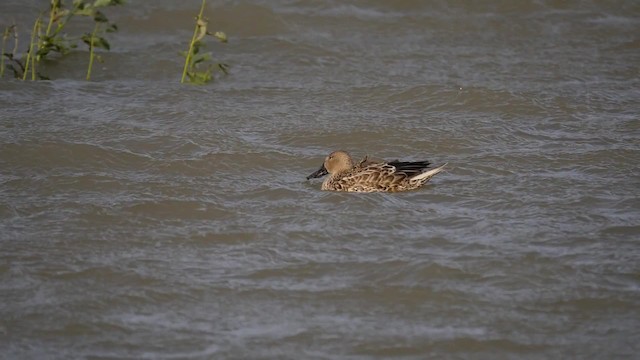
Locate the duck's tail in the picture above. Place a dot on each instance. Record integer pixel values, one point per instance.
(425, 176)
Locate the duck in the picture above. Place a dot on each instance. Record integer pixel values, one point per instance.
(371, 175)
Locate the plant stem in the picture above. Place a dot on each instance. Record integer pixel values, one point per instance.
(91, 50)
(55, 5)
(35, 59)
(5, 36)
(31, 48)
(187, 61)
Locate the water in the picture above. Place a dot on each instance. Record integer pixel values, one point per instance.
(140, 218)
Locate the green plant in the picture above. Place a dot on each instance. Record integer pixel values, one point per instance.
(5, 36)
(193, 57)
(54, 40)
(30, 63)
(14, 64)
(95, 40)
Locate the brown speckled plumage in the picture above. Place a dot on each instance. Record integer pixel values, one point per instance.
(371, 176)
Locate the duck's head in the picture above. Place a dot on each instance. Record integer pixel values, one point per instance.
(336, 162)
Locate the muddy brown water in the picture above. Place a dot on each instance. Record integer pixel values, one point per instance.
(140, 218)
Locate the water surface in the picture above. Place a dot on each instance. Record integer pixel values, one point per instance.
(141, 218)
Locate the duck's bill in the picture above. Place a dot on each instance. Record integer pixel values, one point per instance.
(320, 173)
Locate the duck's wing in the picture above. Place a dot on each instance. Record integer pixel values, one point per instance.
(375, 177)
(410, 168)
(368, 161)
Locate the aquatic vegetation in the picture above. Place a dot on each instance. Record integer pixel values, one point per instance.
(53, 39)
(14, 64)
(95, 40)
(5, 36)
(30, 63)
(195, 60)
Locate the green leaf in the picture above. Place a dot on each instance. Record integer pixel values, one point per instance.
(196, 47)
(199, 77)
(88, 11)
(200, 58)
(97, 41)
(42, 52)
(202, 28)
(224, 68)
(112, 28)
(60, 14)
(102, 43)
(101, 3)
(220, 36)
(100, 17)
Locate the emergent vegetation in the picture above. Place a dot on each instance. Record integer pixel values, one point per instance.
(53, 39)
(8, 31)
(193, 70)
(48, 36)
